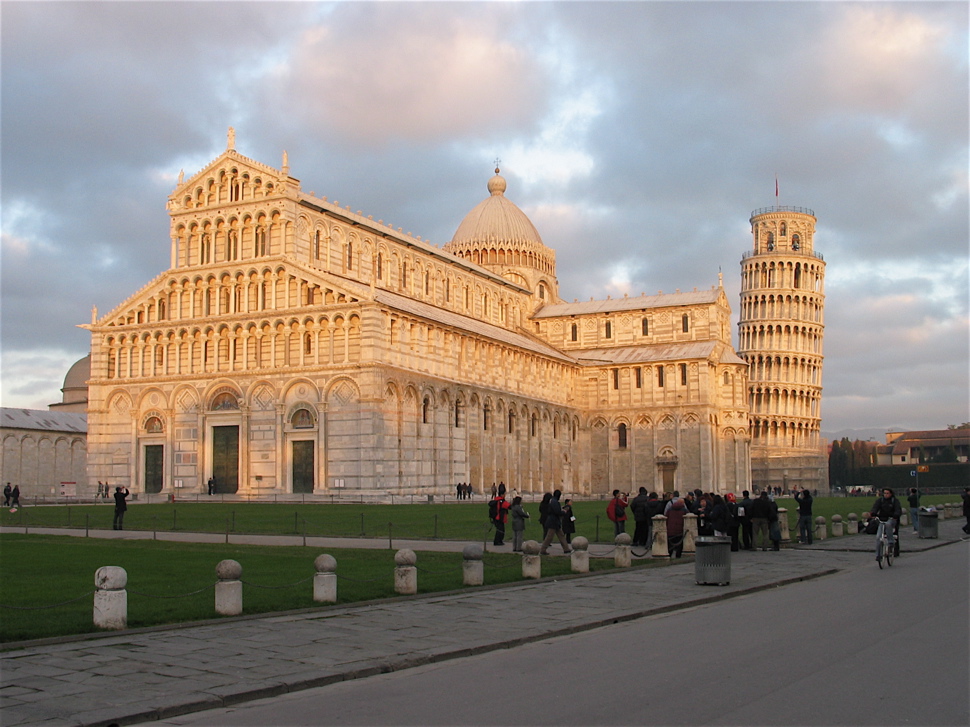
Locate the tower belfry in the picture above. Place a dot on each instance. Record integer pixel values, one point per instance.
(780, 336)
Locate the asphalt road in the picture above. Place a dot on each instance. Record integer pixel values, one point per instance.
(861, 647)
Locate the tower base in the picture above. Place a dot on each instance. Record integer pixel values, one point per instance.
(789, 472)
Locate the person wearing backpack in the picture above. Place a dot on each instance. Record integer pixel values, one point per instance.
(554, 525)
(498, 512)
(616, 511)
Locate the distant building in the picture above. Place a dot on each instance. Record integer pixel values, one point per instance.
(44, 451)
(780, 335)
(295, 346)
(907, 448)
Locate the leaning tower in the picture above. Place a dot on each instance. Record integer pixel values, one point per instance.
(780, 332)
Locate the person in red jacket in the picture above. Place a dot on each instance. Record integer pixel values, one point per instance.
(616, 511)
(502, 507)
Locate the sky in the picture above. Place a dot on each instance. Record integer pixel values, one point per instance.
(637, 136)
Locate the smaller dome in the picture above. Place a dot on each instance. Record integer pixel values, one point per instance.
(78, 375)
(497, 185)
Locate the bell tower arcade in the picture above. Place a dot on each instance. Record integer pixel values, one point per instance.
(780, 336)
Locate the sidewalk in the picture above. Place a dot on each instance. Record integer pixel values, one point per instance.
(144, 675)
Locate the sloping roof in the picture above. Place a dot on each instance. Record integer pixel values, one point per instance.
(40, 419)
(641, 302)
(646, 354)
(931, 438)
(473, 325)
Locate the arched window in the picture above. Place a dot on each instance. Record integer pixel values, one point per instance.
(316, 245)
(683, 374)
(616, 378)
(511, 422)
(575, 332)
(535, 425)
(425, 407)
(350, 256)
(609, 329)
(638, 372)
(458, 408)
(796, 242)
(783, 230)
(685, 322)
(307, 343)
(660, 376)
(154, 426)
(260, 241)
(380, 266)
(542, 291)
(302, 419)
(621, 436)
(485, 412)
(644, 327)
(224, 401)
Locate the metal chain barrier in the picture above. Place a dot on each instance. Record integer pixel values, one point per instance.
(55, 605)
(180, 595)
(277, 588)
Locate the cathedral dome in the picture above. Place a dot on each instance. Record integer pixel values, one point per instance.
(496, 220)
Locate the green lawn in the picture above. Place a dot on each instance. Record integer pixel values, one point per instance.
(447, 521)
(47, 582)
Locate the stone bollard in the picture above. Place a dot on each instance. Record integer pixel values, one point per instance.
(229, 598)
(110, 597)
(405, 572)
(941, 512)
(531, 564)
(783, 525)
(837, 531)
(690, 533)
(821, 531)
(904, 518)
(621, 553)
(325, 580)
(579, 559)
(853, 527)
(472, 567)
(660, 537)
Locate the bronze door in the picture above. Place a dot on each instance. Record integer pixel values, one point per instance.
(225, 459)
(303, 466)
(154, 468)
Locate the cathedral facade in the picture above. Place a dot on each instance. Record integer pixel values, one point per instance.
(296, 346)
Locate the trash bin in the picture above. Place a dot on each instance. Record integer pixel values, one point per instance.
(928, 527)
(712, 561)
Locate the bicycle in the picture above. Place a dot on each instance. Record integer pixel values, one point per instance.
(883, 547)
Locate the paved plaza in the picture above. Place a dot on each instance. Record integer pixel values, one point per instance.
(150, 674)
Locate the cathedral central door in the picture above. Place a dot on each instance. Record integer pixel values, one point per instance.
(225, 459)
(153, 467)
(303, 466)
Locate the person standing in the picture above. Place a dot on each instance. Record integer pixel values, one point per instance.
(720, 517)
(554, 526)
(616, 511)
(744, 519)
(913, 501)
(805, 520)
(774, 526)
(121, 506)
(675, 512)
(519, 516)
(641, 517)
(502, 508)
(966, 509)
(543, 511)
(15, 497)
(7, 492)
(760, 514)
(568, 520)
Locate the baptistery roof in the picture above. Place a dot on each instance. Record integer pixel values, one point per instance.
(496, 220)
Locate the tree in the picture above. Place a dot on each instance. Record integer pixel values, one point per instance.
(965, 425)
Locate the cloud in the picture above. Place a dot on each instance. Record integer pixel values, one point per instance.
(375, 74)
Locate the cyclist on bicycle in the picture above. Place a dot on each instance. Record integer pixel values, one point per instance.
(887, 511)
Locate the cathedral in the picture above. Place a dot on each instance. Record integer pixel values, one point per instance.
(296, 346)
